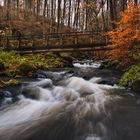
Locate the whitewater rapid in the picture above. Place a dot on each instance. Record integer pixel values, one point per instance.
(74, 109)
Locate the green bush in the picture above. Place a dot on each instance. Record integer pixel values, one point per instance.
(132, 75)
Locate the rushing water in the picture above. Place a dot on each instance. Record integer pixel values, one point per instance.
(70, 109)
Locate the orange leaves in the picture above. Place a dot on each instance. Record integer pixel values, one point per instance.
(127, 33)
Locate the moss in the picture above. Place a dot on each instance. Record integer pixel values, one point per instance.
(131, 76)
(9, 58)
(14, 64)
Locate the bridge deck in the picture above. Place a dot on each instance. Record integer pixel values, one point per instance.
(72, 41)
(63, 50)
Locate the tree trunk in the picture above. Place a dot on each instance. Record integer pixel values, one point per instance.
(58, 14)
(38, 9)
(5, 3)
(69, 16)
(123, 5)
(17, 5)
(136, 1)
(8, 9)
(44, 9)
(52, 15)
(76, 17)
(113, 12)
(86, 26)
(64, 11)
(103, 16)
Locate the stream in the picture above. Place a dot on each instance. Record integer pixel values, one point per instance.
(80, 103)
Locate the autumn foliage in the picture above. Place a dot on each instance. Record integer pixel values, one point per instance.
(126, 37)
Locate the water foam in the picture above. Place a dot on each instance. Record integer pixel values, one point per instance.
(87, 64)
(74, 103)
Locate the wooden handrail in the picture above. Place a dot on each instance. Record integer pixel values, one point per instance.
(56, 34)
(75, 39)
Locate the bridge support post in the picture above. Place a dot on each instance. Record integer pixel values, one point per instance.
(106, 39)
(2, 41)
(7, 42)
(91, 39)
(47, 37)
(19, 41)
(75, 39)
(33, 44)
(61, 40)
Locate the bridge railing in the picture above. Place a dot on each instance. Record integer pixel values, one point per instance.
(53, 40)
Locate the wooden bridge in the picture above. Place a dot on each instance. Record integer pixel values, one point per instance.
(55, 42)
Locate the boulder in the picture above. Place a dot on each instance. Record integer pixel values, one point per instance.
(136, 86)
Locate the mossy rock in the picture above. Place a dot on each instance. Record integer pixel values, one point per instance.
(2, 84)
(1, 95)
(11, 73)
(136, 86)
(25, 69)
(12, 82)
(131, 76)
(9, 83)
(2, 66)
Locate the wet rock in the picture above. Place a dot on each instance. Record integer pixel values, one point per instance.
(43, 83)
(35, 89)
(10, 82)
(6, 97)
(27, 69)
(2, 66)
(54, 76)
(1, 95)
(7, 100)
(31, 92)
(136, 86)
(40, 75)
(7, 94)
(1, 84)
(36, 93)
(111, 82)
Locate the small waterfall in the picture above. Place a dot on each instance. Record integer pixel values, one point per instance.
(74, 109)
(87, 63)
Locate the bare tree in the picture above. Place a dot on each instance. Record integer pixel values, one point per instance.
(69, 15)
(113, 12)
